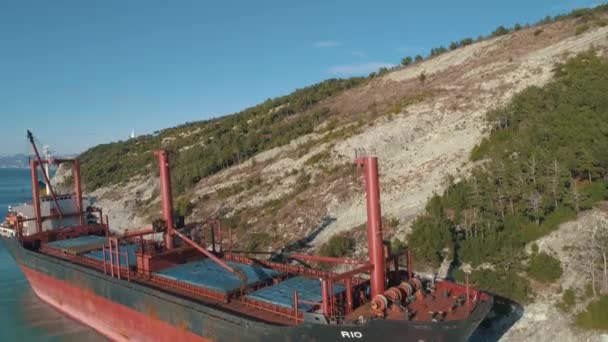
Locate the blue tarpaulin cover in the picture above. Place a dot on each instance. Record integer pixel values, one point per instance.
(208, 274)
(130, 248)
(78, 242)
(282, 293)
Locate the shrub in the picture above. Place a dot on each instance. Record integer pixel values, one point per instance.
(580, 29)
(406, 61)
(534, 248)
(568, 300)
(595, 315)
(397, 245)
(418, 58)
(466, 41)
(544, 268)
(500, 31)
(503, 282)
(422, 77)
(184, 206)
(257, 240)
(601, 22)
(338, 246)
(317, 158)
(538, 32)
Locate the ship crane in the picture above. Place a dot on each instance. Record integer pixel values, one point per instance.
(39, 161)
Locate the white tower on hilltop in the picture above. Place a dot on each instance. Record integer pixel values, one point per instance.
(132, 133)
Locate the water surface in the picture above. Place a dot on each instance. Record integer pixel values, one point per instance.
(24, 317)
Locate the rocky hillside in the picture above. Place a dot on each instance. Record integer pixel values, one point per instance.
(421, 121)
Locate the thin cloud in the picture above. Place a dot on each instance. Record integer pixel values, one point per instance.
(327, 44)
(410, 50)
(357, 53)
(358, 69)
(568, 6)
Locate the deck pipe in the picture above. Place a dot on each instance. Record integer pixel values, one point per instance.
(331, 260)
(374, 225)
(137, 233)
(166, 196)
(210, 255)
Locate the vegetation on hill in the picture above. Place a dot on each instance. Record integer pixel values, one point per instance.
(595, 316)
(203, 148)
(544, 161)
(338, 246)
(588, 17)
(544, 268)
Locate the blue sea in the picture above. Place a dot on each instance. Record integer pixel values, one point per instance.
(24, 317)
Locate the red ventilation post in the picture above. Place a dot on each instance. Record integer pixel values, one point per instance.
(295, 305)
(374, 226)
(324, 299)
(166, 196)
(36, 194)
(349, 295)
(78, 190)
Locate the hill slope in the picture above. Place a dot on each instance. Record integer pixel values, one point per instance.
(422, 132)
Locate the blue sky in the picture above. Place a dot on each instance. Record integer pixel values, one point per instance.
(79, 73)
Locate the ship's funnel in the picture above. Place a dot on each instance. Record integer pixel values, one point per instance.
(374, 224)
(166, 196)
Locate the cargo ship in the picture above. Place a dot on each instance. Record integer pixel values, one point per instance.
(174, 282)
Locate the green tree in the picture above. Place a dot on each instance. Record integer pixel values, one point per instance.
(544, 268)
(406, 61)
(500, 31)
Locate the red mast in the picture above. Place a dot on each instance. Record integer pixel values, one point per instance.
(166, 196)
(78, 190)
(374, 224)
(36, 194)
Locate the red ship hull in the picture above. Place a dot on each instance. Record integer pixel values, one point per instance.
(115, 321)
(123, 310)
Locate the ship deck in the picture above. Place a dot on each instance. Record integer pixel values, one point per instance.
(91, 246)
(208, 274)
(268, 294)
(79, 244)
(281, 294)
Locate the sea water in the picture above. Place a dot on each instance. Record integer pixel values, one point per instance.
(24, 317)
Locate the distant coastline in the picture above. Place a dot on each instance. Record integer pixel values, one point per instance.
(16, 161)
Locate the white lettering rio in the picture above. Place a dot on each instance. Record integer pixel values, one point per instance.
(351, 334)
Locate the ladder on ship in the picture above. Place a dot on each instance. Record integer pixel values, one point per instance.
(113, 265)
